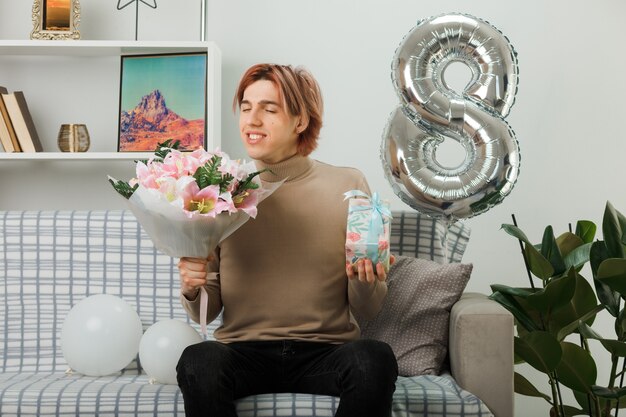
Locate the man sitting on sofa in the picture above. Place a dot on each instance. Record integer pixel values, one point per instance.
(281, 279)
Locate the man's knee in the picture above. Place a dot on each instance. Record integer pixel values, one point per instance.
(375, 360)
(201, 360)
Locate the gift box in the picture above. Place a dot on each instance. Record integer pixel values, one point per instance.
(368, 232)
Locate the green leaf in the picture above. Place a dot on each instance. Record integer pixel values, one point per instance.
(586, 230)
(577, 369)
(612, 232)
(567, 242)
(247, 184)
(123, 188)
(164, 148)
(510, 303)
(614, 347)
(524, 387)
(620, 325)
(598, 254)
(516, 232)
(538, 265)
(612, 272)
(555, 294)
(588, 332)
(539, 349)
(608, 297)
(569, 411)
(571, 327)
(209, 174)
(583, 302)
(583, 400)
(578, 256)
(611, 393)
(550, 251)
(517, 291)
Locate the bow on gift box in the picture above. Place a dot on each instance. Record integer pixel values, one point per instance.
(376, 226)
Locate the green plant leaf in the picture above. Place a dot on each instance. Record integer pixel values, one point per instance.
(614, 347)
(598, 254)
(608, 297)
(524, 387)
(164, 148)
(516, 232)
(583, 400)
(588, 332)
(612, 272)
(517, 291)
(577, 369)
(583, 302)
(611, 393)
(578, 256)
(567, 242)
(539, 349)
(550, 251)
(555, 294)
(586, 230)
(620, 325)
(571, 327)
(538, 265)
(621, 219)
(612, 232)
(123, 188)
(569, 411)
(510, 303)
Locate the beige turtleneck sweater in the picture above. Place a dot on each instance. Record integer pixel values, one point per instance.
(282, 275)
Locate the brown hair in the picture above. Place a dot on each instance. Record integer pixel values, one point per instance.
(300, 93)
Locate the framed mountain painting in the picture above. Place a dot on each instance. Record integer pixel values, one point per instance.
(162, 97)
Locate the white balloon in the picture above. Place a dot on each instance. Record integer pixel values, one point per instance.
(100, 335)
(161, 346)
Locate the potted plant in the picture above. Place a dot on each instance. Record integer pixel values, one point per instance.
(555, 314)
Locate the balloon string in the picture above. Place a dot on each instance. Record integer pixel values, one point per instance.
(446, 226)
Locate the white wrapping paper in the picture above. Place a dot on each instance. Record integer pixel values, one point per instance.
(177, 235)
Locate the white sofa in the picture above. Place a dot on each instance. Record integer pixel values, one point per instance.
(50, 260)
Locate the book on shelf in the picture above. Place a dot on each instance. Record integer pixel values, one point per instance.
(22, 121)
(8, 138)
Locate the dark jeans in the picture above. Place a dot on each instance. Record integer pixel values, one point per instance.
(211, 375)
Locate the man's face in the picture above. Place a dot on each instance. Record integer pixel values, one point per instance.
(268, 131)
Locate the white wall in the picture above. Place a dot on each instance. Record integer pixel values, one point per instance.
(568, 115)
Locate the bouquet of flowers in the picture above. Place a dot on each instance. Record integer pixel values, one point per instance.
(189, 202)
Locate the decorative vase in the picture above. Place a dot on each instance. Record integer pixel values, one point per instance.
(73, 138)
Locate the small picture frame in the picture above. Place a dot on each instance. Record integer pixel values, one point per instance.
(56, 19)
(163, 96)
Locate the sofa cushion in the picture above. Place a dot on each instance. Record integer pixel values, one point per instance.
(131, 394)
(417, 235)
(415, 315)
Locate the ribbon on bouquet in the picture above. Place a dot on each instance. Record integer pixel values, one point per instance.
(376, 226)
(204, 305)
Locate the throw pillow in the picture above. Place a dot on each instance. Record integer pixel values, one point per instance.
(414, 318)
(415, 234)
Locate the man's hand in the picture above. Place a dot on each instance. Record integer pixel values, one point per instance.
(365, 270)
(193, 273)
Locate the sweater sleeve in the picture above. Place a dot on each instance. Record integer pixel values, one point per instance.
(366, 299)
(212, 287)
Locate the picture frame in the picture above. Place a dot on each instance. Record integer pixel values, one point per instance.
(56, 20)
(163, 96)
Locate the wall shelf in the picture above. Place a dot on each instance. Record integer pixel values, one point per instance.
(74, 156)
(78, 81)
(96, 48)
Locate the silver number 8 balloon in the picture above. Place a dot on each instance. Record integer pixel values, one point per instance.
(431, 112)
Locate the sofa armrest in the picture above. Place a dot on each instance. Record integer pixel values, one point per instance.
(481, 351)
